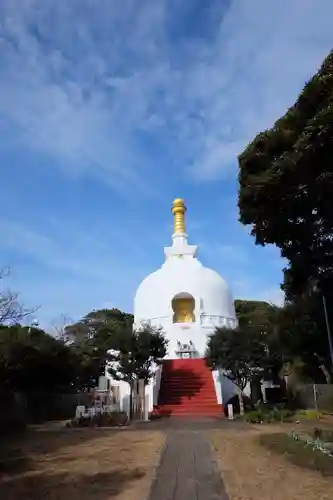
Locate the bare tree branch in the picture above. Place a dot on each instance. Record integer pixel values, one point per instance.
(60, 327)
(11, 309)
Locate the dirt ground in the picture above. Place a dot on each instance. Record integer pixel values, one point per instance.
(251, 472)
(94, 464)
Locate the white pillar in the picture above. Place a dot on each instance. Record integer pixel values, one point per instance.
(230, 412)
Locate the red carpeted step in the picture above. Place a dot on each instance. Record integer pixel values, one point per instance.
(187, 388)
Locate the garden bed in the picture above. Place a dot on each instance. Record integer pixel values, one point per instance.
(299, 451)
(269, 415)
(281, 414)
(252, 470)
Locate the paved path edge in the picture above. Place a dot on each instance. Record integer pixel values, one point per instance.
(156, 466)
(216, 468)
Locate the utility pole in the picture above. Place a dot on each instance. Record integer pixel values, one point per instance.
(317, 289)
(328, 329)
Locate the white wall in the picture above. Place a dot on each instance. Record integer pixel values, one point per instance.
(151, 390)
(227, 387)
(218, 386)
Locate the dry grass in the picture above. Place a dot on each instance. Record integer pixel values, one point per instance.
(82, 464)
(253, 472)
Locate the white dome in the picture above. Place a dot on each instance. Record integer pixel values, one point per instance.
(183, 275)
(183, 297)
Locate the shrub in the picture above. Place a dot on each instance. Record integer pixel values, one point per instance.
(309, 414)
(113, 419)
(254, 417)
(269, 415)
(282, 415)
(156, 415)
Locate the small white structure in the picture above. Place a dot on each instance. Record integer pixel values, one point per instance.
(188, 301)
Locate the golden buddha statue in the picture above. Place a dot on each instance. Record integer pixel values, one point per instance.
(183, 310)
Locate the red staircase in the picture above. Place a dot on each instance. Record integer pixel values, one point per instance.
(187, 388)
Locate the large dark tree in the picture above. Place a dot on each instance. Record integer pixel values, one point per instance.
(95, 322)
(91, 338)
(294, 336)
(286, 186)
(263, 321)
(256, 312)
(32, 360)
(302, 338)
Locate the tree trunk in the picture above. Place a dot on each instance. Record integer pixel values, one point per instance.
(131, 402)
(326, 373)
(241, 401)
(256, 391)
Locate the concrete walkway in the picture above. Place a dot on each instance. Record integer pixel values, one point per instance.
(187, 469)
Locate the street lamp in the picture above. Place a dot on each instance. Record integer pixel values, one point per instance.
(316, 288)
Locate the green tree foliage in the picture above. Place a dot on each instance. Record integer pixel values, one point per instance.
(294, 337)
(91, 338)
(286, 186)
(263, 319)
(96, 324)
(239, 353)
(32, 360)
(303, 338)
(254, 312)
(135, 353)
(105, 330)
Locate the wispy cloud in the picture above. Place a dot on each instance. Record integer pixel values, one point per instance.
(255, 70)
(90, 82)
(149, 99)
(65, 273)
(65, 88)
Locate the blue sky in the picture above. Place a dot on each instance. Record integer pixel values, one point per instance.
(111, 108)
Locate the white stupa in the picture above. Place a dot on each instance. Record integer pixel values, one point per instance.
(185, 298)
(188, 301)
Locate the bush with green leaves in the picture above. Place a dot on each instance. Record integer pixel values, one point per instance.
(269, 415)
(309, 414)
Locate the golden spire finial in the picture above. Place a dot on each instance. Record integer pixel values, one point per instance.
(178, 209)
